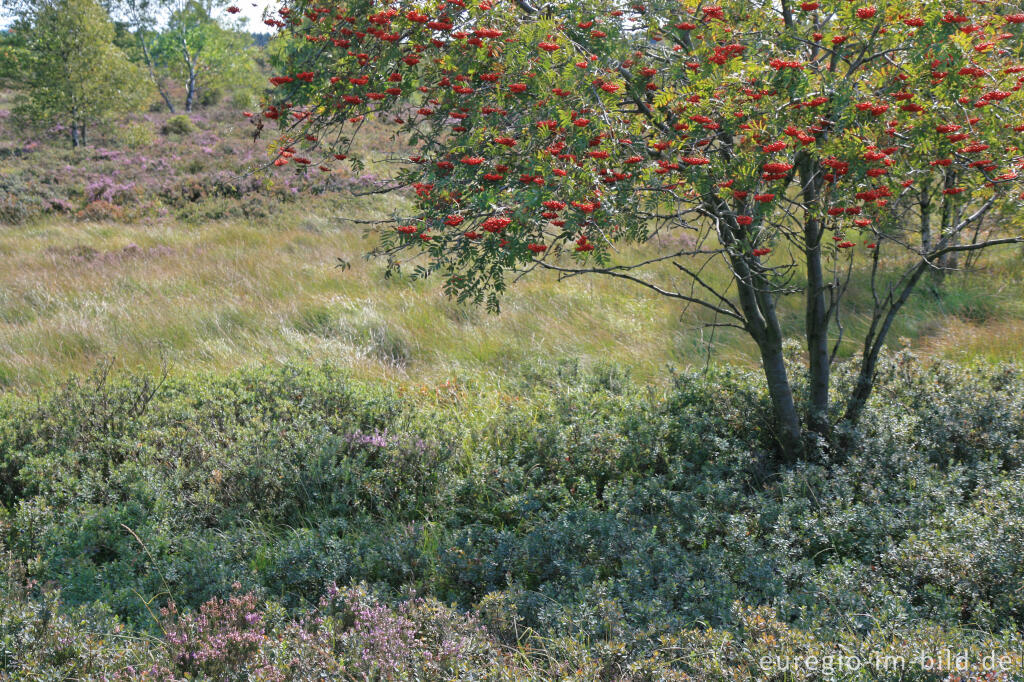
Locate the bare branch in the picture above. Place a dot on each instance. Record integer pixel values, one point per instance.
(653, 287)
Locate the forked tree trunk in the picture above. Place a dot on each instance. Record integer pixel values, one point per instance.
(152, 73)
(190, 65)
(757, 301)
(873, 344)
(762, 323)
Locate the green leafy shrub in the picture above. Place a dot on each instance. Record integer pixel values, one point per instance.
(135, 135)
(179, 124)
(604, 519)
(210, 96)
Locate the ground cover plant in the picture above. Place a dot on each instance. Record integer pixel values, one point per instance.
(588, 527)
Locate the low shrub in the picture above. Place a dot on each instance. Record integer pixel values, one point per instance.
(612, 525)
(135, 135)
(100, 210)
(179, 124)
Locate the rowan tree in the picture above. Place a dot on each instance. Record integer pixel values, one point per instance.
(795, 145)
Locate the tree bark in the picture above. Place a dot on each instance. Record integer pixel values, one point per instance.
(816, 310)
(152, 74)
(873, 344)
(190, 91)
(819, 360)
(780, 393)
(74, 135)
(762, 323)
(190, 64)
(925, 203)
(947, 261)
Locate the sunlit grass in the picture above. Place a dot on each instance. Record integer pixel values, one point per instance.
(232, 293)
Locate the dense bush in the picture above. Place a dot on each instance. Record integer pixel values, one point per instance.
(178, 125)
(136, 135)
(576, 506)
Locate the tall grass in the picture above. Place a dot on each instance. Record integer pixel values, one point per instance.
(232, 293)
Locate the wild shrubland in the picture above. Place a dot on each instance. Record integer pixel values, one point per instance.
(231, 448)
(568, 522)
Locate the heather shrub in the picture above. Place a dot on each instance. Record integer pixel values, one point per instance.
(353, 634)
(223, 640)
(100, 210)
(23, 198)
(197, 170)
(42, 639)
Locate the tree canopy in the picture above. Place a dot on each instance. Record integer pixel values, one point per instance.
(69, 71)
(790, 144)
(200, 53)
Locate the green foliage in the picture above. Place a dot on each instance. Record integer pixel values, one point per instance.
(669, 114)
(205, 57)
(179, 124)
(573, 504)
(210, 96)
(136, 135)
(784, 144)
(73, 75)
(13, 56)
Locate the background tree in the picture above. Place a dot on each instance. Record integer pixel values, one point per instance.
(836, 150)
(13, 57)
(70, 72)
(141, 17)
(201, 54)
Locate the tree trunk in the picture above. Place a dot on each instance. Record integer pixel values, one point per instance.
(873, 344)
(950, 260)
(816, 313)
(925, 204)
(166, 99)
(152, 73)
(787, 421)
(762, 323)
(190, 90)
(82, 134)
(766, 331)
(947, 261)
(74, 135)
(861, 391)
(819, 360)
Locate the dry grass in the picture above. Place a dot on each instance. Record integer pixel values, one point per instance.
(228, 293)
